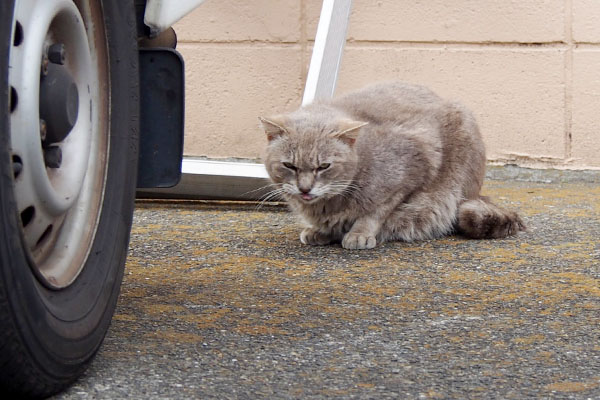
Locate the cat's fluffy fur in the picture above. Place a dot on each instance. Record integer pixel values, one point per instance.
(392, 161)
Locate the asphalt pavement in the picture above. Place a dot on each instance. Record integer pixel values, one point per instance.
(220, 300)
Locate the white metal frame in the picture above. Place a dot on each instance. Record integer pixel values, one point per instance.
(327, 51)
(243, 181)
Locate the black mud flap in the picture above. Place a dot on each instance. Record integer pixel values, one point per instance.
(162, 118)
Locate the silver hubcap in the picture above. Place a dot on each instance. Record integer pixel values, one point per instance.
(59, 178)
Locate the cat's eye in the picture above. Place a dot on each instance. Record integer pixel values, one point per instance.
(324, 166)
(289, 166)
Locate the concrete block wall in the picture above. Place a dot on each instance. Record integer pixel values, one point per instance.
(529, 69)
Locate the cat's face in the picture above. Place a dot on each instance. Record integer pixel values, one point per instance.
(311, 162)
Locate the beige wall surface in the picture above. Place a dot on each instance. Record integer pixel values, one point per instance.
(529, 69)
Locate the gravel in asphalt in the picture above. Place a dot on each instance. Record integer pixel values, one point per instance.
(221, 300)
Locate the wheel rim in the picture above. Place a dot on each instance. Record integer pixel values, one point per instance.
(59, 165)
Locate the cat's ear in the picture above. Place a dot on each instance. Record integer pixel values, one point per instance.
(274, 127)
(349, 130)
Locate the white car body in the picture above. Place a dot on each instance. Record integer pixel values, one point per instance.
(161, 14)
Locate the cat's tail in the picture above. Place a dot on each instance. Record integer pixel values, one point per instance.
(482, 219)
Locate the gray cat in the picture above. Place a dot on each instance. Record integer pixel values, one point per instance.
(392, 161)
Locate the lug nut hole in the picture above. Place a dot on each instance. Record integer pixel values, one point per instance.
(14, 99)
(18, 38)
(17, 165)
(27, 215)
(44, 236)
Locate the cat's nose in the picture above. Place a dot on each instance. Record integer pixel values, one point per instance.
(305, 182)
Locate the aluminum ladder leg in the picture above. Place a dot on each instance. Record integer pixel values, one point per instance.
(327, 52)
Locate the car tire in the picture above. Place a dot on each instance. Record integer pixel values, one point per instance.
(61, 265)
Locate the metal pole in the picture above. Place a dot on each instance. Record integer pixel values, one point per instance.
(328, 49)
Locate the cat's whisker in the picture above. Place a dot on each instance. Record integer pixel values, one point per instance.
(277, 190)
(273, 193)
(344, 188)
(261, 188)
(269, 196)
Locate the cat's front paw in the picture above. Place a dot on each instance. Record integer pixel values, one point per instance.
(358, 241)
(314, 237)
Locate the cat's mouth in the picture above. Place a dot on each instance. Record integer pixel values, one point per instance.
(307, 197)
